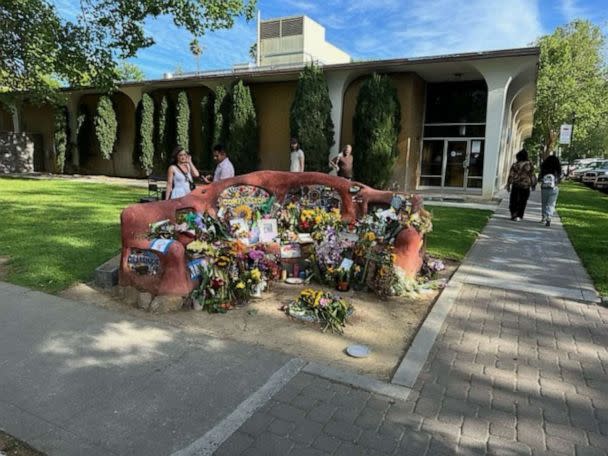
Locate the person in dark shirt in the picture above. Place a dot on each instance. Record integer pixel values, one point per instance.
(521, 180)
(549, 177)
(343, 162)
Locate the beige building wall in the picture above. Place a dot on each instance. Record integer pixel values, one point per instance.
(272, 103)
(316, 48)
(410, 91)
(39, 120)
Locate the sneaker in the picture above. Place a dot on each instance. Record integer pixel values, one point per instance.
(548, 222)
(543, 220)
(518, 219)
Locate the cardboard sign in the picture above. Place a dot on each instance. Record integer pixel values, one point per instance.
(268, 230)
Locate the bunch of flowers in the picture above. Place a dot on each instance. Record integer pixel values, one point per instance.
(162, 230)
(197, 249)
(328, 309)
(319, 219)
(214, 294)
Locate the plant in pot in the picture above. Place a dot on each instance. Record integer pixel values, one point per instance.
(342, 277)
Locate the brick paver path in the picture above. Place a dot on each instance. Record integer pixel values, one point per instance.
(511, 373)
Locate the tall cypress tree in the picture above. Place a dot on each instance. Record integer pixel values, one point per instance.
(163, 134)
(376, 126)
(146, 134)
(310, 118)
(207, 105)
(182, 121)
(60, 138)
(243, 130)
(106, 126)
(221, 115)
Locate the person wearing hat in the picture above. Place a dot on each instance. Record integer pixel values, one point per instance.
(297, 157)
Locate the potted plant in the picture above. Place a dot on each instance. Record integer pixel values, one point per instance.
(342, 279)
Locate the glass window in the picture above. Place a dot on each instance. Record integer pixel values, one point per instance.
(456, 102)
(454, 131)
(432, 158)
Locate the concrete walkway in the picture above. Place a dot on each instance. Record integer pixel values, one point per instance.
(518, 367)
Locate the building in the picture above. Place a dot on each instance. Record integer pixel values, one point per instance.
(463, 116)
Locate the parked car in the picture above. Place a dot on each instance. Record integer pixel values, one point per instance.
(590, 177)
(596, 164)
(601, 183)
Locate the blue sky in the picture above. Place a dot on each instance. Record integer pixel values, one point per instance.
(372, 29)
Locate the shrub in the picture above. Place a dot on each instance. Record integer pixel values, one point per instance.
(60, 138)
(221, 115)
(163, 135)
(106, 126)
(310, 118)
(207, 106)
(146, 134)
(242, 141)
(182, 121)
(376, 125)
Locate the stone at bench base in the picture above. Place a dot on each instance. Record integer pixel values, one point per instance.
(165, 304)
(106, 275)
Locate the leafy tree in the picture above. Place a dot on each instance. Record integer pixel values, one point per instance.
(60, 138)
(182, 121)
(146, 134)
(243, 130)
(128, 71)
(571, 79)
(163, 134)
(253, 52)
(106, 126)
(221, 115)
(376, 126)
(36, 43)
(207, 104)
(196, 50)
(310, 118)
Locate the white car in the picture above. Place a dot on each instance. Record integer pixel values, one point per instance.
(601, 183)
(580, 172)
(590, 177)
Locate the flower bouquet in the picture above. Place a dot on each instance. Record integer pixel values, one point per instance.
(326, 308)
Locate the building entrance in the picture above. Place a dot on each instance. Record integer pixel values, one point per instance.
(452, 163)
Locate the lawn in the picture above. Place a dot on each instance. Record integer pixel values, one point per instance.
(584, 214)
(454, 231)
(56, 232)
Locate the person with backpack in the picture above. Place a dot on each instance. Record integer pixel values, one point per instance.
(549, 177)
(181, 174)
(521, 179)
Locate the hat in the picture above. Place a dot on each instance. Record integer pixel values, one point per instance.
(293, 141)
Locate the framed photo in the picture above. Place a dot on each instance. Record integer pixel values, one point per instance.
(268, 230)
(291, 251)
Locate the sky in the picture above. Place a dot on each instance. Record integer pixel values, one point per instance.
(371, 29)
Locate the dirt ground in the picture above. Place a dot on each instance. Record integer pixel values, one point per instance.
(387, 327)
(10, 446)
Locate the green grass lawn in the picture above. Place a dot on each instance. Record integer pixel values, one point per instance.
(584, 214)
(56, 232)
(454, 231)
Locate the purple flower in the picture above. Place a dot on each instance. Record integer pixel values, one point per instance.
(256, 255)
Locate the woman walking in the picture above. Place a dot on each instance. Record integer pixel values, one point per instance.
(550, 173)
(181, 174)
(521, 179)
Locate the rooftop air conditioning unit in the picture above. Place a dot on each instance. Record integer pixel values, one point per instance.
(168, 76)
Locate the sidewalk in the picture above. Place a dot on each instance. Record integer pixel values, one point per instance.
(518, 367)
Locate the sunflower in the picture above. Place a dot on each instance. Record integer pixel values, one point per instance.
(243, 212)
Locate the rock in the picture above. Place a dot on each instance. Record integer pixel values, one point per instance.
(165, 304)
(131, 295)
(118, 292)
(143, 300)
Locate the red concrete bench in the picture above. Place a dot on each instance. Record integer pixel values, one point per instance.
(172, 277)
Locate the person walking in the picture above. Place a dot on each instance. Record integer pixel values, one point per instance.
(181, 174)
(343, 162)
(521, 180)
(296, 157)
(549, 177)
(224, 168)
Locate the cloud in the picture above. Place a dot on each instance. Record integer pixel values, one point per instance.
(570, 10)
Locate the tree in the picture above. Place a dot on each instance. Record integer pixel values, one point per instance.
(243, 130)
(35, 43)
(163, 134)
(221, 115)
(196, 50)
(182, 121)
(207, 104)
(128, 71)
(253, 52)
(146, 134)
(376, 126)
(60, 138)
(106, 126)
(571, 79)
(310, 118)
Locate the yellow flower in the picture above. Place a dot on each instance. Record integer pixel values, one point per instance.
(370, 236)
(256, 274)
(196, 246)
(240, 285)
(393, 257)
(318, 219)
(243, 211)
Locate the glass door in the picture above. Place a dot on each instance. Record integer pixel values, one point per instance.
(455, 163)
(475, 164)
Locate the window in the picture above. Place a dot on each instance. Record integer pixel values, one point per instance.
(456, 102)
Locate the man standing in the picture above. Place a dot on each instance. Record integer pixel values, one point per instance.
(224, 168)
(296, 157)
(343, 162)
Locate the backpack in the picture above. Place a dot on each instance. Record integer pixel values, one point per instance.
(548, 181)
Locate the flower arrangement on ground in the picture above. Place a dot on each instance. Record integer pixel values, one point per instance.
(330, 310)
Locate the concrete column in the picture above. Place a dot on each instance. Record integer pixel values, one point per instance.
(337, 83)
